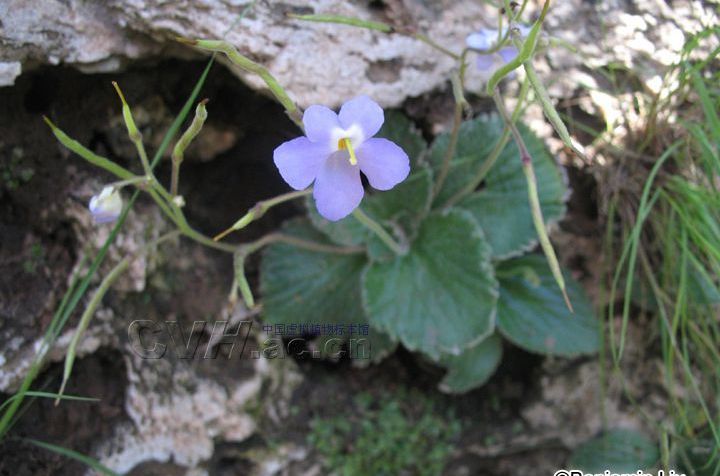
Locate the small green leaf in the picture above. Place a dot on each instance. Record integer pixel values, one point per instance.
(439, 298)
(620, 451)
(300, 286)
(532, 313)
(473, 367)
(502, 207)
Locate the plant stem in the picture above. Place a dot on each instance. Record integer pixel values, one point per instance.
(450, 151)
(537, 215)
(245, 250)
(375, 227)
(489, 162)
(250, 66)
(138, 180)
(458, 85)
(87, 154)
(430, 42)
(259, 209)
(525, 52)
(95, 302)
(377, 26)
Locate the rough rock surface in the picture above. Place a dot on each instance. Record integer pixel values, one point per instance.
(322, 63)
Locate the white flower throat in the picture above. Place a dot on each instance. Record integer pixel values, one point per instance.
(348, 139)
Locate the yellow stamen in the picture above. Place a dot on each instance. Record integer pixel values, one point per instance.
(345, 144)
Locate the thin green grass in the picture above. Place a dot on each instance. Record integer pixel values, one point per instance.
(86, 460)
(78, 288)
(671, 249)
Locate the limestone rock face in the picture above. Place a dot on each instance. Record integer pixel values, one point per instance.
(323, 63)
(316, 62)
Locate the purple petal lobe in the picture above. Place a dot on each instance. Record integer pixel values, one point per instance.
(383, 162)
(364, 112)
(338, 189)
(299, 161)
(485, 62)
(483, 39)
(106, 206)
(508, 54)
(319, 121)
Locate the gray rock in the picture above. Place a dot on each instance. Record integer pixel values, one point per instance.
(324, 63)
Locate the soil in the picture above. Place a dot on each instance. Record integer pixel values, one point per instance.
(39, 246)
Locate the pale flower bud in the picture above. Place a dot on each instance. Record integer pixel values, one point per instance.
(107, 206)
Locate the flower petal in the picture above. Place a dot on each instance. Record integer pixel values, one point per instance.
(485, 62)
(364, 112)
(319, 122)
(338, 189)
(508, 54)
(483, 39)
(299, 161)
(383, 162)
(107, 206)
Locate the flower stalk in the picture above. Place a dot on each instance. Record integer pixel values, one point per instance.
(460, 104)
(250, 66)
(259, 209)
(95, 301)
(536, 210)
(245, 250)
(525, 53)
(156, 191)
(494, 154)
(375, 227)
(376, 26)
(96, 160)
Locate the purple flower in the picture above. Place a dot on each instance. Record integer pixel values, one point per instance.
(107, 206)
(335, 149)
(485, 39)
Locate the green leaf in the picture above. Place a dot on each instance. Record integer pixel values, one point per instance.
(300, 286)
(620, 451)
(501, 207)
(346, 232)
(476, 140)
(439, 298)
(401, 130)
(308, 287)
(371, 349)
(363, 349)
(532, 313)
(473, 367)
